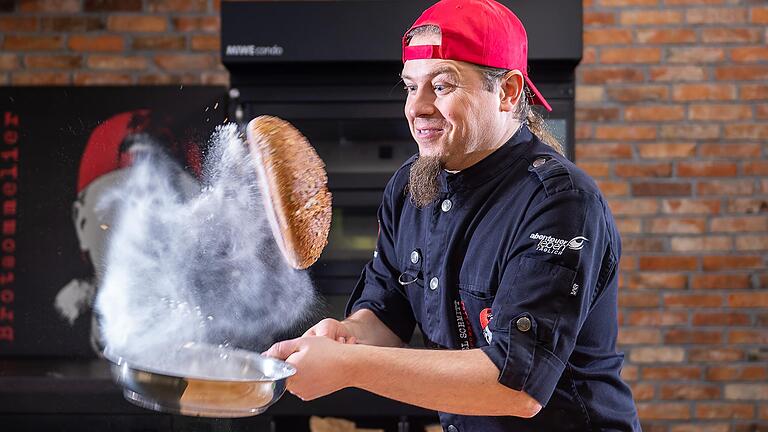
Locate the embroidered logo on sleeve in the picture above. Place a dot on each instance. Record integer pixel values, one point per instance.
(556, 246)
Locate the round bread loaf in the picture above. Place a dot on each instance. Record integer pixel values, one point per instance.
(295, 189)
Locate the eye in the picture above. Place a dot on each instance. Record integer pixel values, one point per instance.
(410, 89)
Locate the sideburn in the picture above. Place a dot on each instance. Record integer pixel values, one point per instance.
(423, 181)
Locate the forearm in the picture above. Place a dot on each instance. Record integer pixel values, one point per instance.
(366, 327)
(459, 382)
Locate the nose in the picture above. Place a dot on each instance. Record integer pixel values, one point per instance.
(421, 104)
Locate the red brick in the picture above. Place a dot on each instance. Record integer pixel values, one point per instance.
(596, 114)
(691, 131)
(657, 355)
(630, 372)
(9, 62)
(730, 150)
(13, 24)
(603, 151)
(696, 55)
(730, 15)
(113, 5)
(629, 133)
(607, 36)
(692, 2)
(53, 61)
(749, 300)
(137, 23)
(611, 75)
(725, 187)
(612, 188)
(57, 6)
(102, 78)
(650, 17)
(71, 24)
(618, 3)
(628, 263)
(634, 207)
(748, 337)
(749, 54)
(654, 113)
(96, 43)
(706, 169)
(753, 91)
(748, 205)
(742, 73)
(763, 411)
(592, 19)
(638, 93)
(752, 243)
(666, 373)
(694, 92)
(732, 262)
(32, 43)
(583, 132)
(720, 281)
(655, 318)
(720, 112)
(661, 189)
(626, 226)
(715, 354)
(699, 427)
(630, 55)
(158, 43)
(40, 78)
(737, 373)
(677, 225)
(724, 411)
(664, 411)
(176, 6)
(639, 300)
(642, 391)
(740, 224)
(693, 300)
(639, 336)
(685, 336)
(759, 15)
(689, 392)
(693, 244)
(206, 42)
(661, 281)
(588, 93)
(690, 206)
(746, 391)
(678, 73)
(658, 169)
(761, 112)
(175, 62)
(595, 169)
(665, 36)
(210, 24)
(107, 62)
(746, 131)
(730, 35)
(666, 150)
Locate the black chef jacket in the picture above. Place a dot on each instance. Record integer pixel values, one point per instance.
(524, 242)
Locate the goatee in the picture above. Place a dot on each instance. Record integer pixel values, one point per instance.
(423, 181)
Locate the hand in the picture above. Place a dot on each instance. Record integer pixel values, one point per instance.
(332, 329)
(320, 364)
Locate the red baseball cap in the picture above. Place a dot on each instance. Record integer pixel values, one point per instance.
(483, 32)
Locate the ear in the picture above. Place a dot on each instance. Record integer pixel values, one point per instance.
(510, 90)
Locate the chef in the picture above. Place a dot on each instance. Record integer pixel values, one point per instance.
(498, 248)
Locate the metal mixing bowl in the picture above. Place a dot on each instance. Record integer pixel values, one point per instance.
(201, 380)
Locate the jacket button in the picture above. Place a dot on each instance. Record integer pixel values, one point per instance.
(446, 205)
(539, 162)
(433, 283)
(524, 324)
(415, 257)
(452, 428)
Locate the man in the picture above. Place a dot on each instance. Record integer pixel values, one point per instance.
(501, 250)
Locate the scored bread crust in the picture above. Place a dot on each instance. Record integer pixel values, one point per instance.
(295, 189)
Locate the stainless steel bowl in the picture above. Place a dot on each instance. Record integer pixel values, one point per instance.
(201, 380)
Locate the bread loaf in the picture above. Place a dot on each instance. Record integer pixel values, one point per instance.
(295, 189)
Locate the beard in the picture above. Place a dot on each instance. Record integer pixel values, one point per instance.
(423, 181)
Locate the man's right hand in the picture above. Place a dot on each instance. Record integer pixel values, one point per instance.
(332, 329)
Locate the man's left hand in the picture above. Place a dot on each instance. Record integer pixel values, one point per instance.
(320, 365)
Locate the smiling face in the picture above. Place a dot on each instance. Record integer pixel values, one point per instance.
(452, 116)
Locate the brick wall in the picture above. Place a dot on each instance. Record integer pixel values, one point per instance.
(672, 122)
(96, 42)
